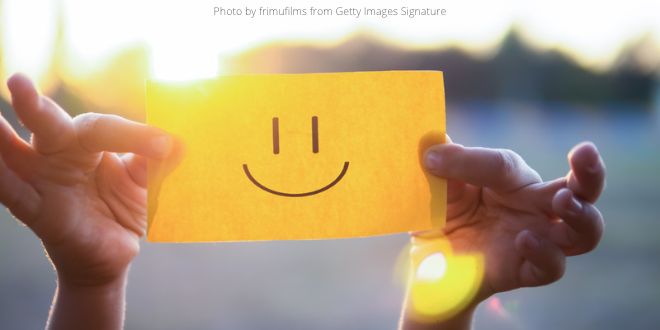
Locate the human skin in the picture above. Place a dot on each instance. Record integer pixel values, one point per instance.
(87, 204)
(499, 207)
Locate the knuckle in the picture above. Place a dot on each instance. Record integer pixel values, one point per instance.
(452, 149)
(589, 232)
(87, 122)
(448, 152)
(85, 125)
(594, 232)
(551, 274)
(588, 243)
(506, 161)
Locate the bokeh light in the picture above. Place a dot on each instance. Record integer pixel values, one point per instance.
(444, 283)
(432, 268)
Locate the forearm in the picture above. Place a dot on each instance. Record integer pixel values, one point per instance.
(88, 307)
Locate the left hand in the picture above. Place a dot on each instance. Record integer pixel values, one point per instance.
(84, 200)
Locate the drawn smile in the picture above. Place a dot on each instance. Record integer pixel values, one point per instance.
(309, 193)
(276, 151)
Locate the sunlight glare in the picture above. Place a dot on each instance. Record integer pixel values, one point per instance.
(443, 282)
(187, 41)
(27, 36)
(432, 268)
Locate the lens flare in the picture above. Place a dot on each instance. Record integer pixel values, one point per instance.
(495, 306)
(443, 283)
(432, 268)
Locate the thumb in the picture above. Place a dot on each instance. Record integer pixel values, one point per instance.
(499, 169)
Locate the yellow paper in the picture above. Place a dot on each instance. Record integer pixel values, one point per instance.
(297, 156)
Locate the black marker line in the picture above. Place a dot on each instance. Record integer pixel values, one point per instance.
(276, 136)
(279, 193)
(315, 134)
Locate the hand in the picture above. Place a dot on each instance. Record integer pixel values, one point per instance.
(524, 227)
(86, 202)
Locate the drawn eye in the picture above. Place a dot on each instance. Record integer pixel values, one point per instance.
(276, 150)
(315, 134)
(276, 135)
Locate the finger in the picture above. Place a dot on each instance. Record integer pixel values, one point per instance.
(542, 200)
(125, 200)
(158, 170)
(499, 169)
(16, 153)
(136, 166)
(582, 226)
(100, 132)
(456, 189)
(18, 196)
(587, 176)
(51, 126)
(543, 261)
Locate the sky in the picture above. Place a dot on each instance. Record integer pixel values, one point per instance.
(185, 39)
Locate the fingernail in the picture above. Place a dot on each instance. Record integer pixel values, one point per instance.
(433, 160)
(161, 145)
(574, 206)
(531, 242)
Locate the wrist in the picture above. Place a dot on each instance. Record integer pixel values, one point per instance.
(89, 304)
(90, 278)
(98, 284)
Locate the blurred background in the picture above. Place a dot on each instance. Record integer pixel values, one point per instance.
(533, 77)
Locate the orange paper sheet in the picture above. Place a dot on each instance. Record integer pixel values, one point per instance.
(297, 156)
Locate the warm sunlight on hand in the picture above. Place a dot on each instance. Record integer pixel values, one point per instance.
(86, 202)
(524, 227)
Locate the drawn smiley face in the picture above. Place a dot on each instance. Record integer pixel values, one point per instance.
(241, 166)
(276, 151)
